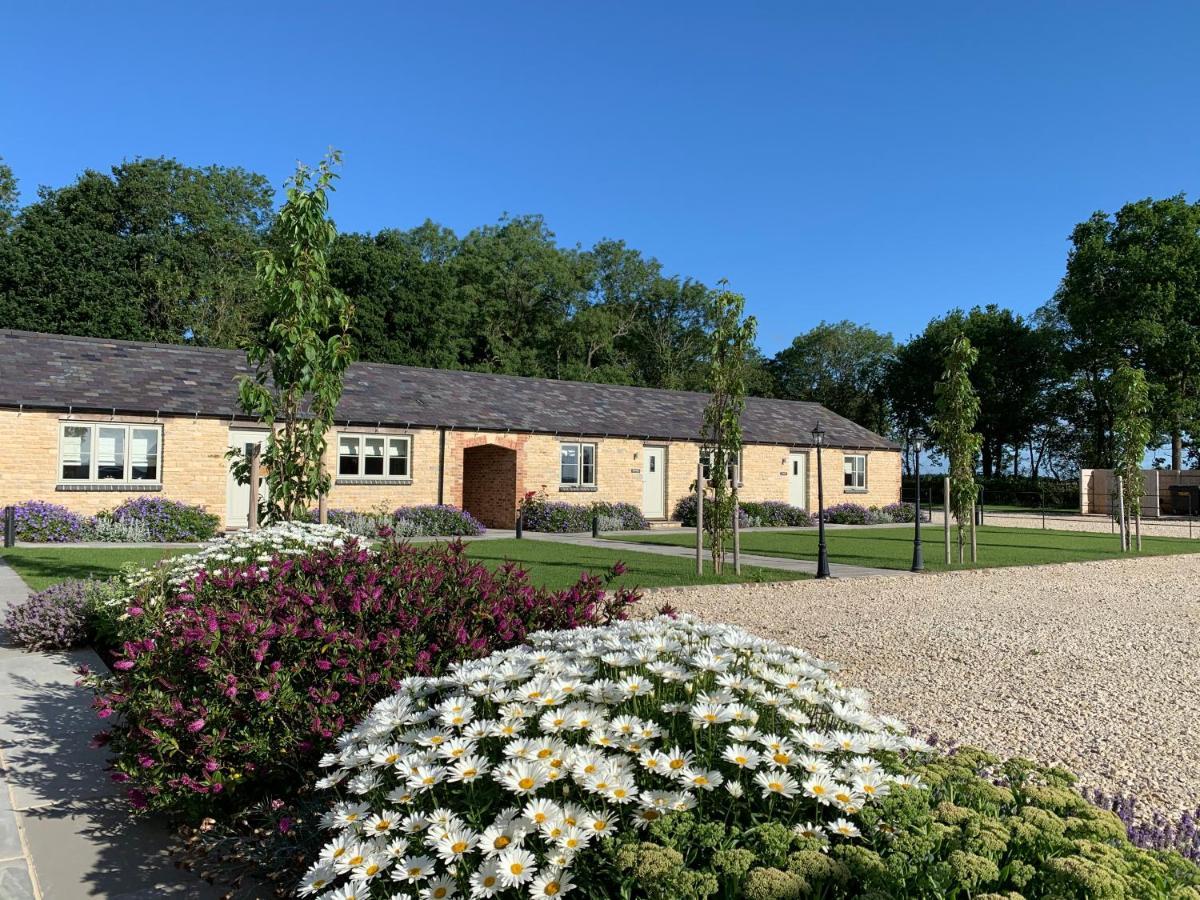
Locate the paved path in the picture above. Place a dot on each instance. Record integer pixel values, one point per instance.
(787, 564)
(65, 834)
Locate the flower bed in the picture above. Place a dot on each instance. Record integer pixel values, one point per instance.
(59, 617)
(673, 760)
(435, 520)
(138, 520)
(558, 517)
(857, 514)
(237, 666)
(773, 513)
(685, 512)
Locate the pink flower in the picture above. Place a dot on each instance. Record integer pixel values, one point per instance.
(123, 665)
(195, 725)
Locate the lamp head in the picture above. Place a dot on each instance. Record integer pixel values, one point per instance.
(918, 441)
(818, 435)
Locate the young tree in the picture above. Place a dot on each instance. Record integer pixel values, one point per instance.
(730, 363)
(954, 425)
(1132, 432)
(300, 357)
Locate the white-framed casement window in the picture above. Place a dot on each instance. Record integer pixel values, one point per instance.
(374, 456)
(855, 467)
(109, 452)
(706, 462)
(577, 464)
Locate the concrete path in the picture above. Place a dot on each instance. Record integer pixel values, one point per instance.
(785, 563)
(65, 833)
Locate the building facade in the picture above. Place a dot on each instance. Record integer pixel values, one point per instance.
(97, 421)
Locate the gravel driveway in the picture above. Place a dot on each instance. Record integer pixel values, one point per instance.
(1092, 665)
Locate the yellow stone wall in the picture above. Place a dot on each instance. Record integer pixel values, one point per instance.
(194, 469)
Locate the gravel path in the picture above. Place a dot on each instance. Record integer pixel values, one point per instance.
(1092, 665)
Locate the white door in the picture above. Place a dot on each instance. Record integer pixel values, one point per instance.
(654, 482)
(237, 496)
(798, 480)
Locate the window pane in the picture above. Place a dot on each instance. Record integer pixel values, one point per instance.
(570, 464)
(110, 453)
(143, 453)
(398, 457)
(76, 452)
(373, 456)
(588, 452)
(348, 456)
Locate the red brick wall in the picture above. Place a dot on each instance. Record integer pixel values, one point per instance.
(489, 484)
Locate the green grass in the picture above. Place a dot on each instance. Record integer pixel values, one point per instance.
(891, 548)
(552, 565)
(557, 565)
(41, 567)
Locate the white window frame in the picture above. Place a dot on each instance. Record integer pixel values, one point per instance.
(706, 456)
(581, 467)
(388, 441)
(93, 476)
(854, 479)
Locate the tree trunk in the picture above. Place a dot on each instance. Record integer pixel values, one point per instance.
(985, 458)
(1177, 449)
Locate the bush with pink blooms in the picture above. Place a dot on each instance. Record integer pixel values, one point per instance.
(231, 689)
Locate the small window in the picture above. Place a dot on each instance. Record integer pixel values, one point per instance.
(856, 471)
(373, 456)
(577, 465)
(706, 461)
(108, 452)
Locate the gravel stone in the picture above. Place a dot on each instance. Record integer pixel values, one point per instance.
(1094, 666)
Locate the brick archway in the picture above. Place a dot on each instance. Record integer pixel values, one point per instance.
(489, 483)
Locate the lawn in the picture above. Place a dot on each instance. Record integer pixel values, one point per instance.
(41, 567)
(553, 565)
(891, 548)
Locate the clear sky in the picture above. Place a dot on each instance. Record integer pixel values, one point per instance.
(877, 161)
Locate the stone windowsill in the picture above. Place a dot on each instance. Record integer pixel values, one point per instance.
(577, 488)
(116, 487)
(857, 491)
(383, 482)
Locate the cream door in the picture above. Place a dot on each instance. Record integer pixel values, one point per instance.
(798, 480)
(654, 482)
(237, 496)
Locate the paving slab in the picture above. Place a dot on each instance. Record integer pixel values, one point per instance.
(73, 835)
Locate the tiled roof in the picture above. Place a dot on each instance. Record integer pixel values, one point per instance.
(44, 371)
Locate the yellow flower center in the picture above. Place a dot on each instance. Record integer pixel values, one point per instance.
(782, 758)
(372, 869)
(818, 789)
(544, 752)
(489, 880)
(339, 852)
(439, 892)
(383, 825)
(525, 784)
(599, 825)
(677, 764)
(516, 868)
(356, 860)
(501, 842)
(414, 872)
(459, 847)
(551, 889)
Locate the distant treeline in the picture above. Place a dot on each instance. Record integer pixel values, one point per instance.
(156, 250)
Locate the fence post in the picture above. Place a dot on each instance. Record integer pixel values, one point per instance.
(595, 525)
(946, 514)
(1121, 513)
(974, 546)
(700, 518)
(10, 526)
(1043, 510)
(323, 509)
(255, 478)
(737, 531)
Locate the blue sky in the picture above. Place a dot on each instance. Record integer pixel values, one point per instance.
(882, 162)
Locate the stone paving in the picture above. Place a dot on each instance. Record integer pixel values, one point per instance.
(65, 834)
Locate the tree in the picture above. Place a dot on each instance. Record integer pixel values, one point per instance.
(1132, 432)
(9, 195)
(729, 364)
(954, 426)
(155, 250)
(1014, 375)
(301, 357)
(1132, 292)
(840, 365)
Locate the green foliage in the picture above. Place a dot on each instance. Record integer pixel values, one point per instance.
(301, 356)
(983, 827)
(729, 363)
(1132, 432)
(954, 425)
(8, 195)
(154, 250)
(840, 365)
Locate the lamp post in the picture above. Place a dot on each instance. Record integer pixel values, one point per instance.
(818, 436)
(918, 443)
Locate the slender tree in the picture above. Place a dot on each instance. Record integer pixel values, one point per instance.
(300, 357)
(730, 365)
(1132, 432)
(954, 425)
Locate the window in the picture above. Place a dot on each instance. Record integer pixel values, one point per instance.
(706, 461)
(577, 465)
(856, 471)
(106, 452)
(376, 457)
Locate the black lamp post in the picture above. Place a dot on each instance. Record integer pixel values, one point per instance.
(818, 436)
(918, 443)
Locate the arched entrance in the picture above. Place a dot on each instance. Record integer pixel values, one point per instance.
(490, 484)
